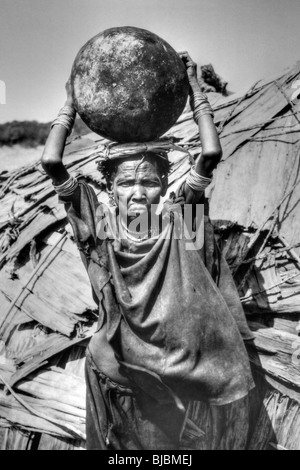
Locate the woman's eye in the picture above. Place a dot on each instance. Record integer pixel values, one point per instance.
(147, 184)
(125, 184)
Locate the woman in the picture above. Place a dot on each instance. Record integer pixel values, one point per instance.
(170, 322)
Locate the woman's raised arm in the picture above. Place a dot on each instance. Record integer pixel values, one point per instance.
(55, 145)
(211, 148)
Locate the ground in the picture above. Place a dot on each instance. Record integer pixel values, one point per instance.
(12, 158)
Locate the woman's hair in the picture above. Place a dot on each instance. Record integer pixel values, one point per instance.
(109, 167)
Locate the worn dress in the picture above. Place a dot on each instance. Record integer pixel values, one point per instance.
(171, 330)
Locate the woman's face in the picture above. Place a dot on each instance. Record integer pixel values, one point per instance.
(136, 185)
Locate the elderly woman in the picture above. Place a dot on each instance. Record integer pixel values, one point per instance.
(171, 327)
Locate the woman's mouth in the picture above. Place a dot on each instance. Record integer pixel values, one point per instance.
(137, 208)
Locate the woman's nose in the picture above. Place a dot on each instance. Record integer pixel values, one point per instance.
(138, 192)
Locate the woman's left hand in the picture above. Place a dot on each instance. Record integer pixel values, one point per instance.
(191, 67)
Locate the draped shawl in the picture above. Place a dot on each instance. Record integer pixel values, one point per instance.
(172, 319)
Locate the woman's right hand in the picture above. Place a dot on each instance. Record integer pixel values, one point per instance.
(68, 86)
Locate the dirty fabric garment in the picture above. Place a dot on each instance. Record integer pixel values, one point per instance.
(170, 320)
(119, 417)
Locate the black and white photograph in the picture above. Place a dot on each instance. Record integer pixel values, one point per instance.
(150, 227)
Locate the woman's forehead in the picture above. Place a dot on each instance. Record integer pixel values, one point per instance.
(147, 165)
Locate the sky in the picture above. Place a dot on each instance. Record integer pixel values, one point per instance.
(245, 40)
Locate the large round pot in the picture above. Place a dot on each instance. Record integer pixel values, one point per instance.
(129, 85)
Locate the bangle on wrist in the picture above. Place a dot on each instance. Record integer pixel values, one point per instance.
(67, 188)
(197, 182)
(200, 105)
(66, 118)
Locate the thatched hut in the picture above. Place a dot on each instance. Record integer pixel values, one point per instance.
(47, 313)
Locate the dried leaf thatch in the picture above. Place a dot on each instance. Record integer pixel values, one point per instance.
(47, 312)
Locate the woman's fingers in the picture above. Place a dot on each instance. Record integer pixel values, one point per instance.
(188, 61)
(183, 54)
(68, 88)
(68, 84)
